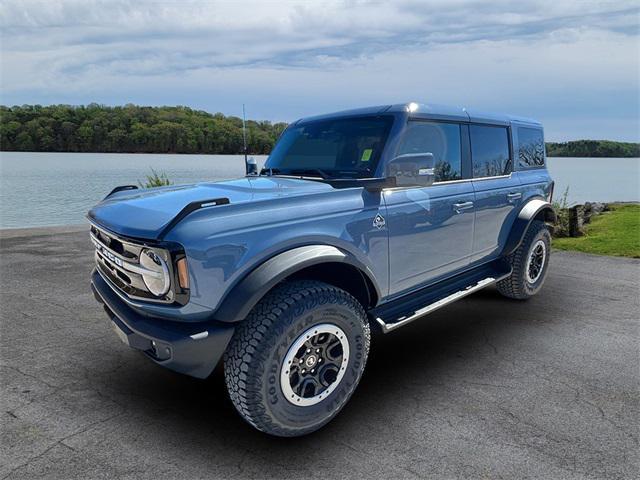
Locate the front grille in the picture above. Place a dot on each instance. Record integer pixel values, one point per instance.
(117, 260)
(131, 252)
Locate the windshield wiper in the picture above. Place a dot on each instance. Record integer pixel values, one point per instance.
(270, 171)
(369, 183)
(296, 171)
(310, 171)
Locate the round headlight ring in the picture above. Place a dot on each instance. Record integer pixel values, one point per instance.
(159, 283)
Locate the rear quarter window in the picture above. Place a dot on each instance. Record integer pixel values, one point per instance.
(530, 148)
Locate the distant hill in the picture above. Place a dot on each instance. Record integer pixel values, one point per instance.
(136, 129)
(130, 129)
(593, 148)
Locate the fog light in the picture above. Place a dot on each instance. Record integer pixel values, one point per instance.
(183, 273)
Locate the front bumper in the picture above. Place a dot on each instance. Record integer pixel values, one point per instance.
(190, 348)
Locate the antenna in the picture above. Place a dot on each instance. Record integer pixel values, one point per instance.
(244, 134)
(250, 165)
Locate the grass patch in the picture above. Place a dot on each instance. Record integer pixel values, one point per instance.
(616, 232)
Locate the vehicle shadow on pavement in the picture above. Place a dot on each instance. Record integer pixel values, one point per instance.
(198, 413)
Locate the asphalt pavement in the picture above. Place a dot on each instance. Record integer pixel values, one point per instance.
(485, 388)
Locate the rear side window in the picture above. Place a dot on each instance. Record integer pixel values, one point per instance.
(530, 148)
(490, 151)
(440, 139)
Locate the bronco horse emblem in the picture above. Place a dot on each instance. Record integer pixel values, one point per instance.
(379, 222)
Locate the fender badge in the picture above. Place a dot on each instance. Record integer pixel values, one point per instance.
(379, 222)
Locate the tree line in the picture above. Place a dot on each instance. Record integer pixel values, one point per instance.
(593, 148)
(136, 129)
(130, 129)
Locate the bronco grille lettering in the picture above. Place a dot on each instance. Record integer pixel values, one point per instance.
(110, 256)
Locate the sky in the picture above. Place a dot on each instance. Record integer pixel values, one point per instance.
(574, 65)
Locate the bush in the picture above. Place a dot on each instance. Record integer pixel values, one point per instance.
(155, 180)
(561, 227)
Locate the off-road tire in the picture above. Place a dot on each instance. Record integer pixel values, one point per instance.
(517, 285)
(255, 355)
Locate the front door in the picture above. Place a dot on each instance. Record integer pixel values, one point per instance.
(430, 228)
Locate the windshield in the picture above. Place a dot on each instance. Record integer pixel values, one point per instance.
(335, 148)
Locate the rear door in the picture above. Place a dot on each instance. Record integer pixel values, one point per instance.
(497, 190)
(431, 228)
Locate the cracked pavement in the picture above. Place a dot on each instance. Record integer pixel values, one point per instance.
(485, 388)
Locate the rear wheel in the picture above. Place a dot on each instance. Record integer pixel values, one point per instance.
(529, 262)
(295, 361)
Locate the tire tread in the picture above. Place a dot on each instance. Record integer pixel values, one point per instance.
(254, 338)
(514, 285)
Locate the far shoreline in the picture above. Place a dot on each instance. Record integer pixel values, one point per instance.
(190, 154)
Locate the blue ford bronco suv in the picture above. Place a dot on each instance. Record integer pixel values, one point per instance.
(369, 218)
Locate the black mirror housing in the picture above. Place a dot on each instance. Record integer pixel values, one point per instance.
(412, 169)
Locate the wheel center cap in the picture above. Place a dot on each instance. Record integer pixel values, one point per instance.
(311, 360)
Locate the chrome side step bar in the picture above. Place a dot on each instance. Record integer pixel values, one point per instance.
(402, 321)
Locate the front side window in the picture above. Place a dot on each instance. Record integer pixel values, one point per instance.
(440, 139)
(334, 148)
(490, 151)
(530, 148)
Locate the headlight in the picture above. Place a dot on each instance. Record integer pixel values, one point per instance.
(157, 278)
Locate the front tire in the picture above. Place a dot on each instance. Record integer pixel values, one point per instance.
(529, 262)
(297, 358)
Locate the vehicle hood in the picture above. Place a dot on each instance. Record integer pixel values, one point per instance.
(145, 213)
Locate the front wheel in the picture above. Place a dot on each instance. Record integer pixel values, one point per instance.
(295, 361)
(529, 262)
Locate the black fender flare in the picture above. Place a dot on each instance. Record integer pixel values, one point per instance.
(532, 209)
(243, 296)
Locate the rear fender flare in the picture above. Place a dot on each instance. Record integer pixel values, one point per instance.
(532, 209)
(237, 304)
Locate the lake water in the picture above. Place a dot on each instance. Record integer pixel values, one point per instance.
(41, 189)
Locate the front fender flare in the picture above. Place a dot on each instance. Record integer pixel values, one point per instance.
(532, 209)
(237, 304)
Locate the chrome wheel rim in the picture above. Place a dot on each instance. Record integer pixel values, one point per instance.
(535, 262)
(314, 365)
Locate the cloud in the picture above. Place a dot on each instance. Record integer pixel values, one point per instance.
(549, 59)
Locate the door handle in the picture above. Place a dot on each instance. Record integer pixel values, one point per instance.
(461, 207)
(514, 196)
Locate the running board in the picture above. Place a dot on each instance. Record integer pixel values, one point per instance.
(402, 321)
(403, 310)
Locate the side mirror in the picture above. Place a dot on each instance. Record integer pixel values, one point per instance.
(412, 169)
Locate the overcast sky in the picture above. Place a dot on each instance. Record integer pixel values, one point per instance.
(574, 65)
